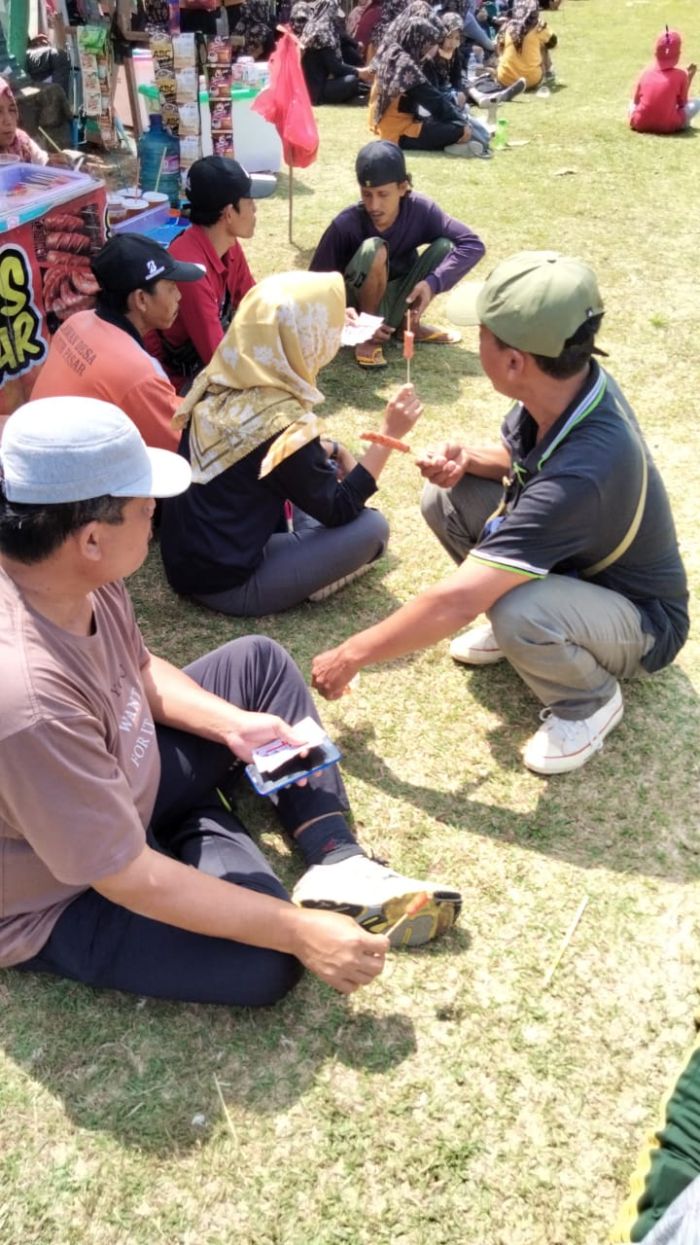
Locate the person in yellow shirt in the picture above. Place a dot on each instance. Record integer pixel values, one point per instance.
(527, 41)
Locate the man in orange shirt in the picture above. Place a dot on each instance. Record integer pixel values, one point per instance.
(100, 354)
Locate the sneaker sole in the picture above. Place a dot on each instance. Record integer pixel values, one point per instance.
(438, 915)
(564, 765)
(478, 657)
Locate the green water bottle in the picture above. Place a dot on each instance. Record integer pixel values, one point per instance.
(500, 138)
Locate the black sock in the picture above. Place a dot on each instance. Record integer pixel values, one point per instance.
(327, 841)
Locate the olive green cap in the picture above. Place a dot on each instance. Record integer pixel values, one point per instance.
(534, 301)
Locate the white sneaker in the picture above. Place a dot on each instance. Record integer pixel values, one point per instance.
(561, 745)
(470, 150)
(477, 647)
(377, 897)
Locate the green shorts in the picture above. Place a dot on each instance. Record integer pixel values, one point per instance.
(393, 305)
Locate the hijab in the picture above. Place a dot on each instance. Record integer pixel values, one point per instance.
(526, 14)
(321, 29)
(261, 380)
(21, 145)
(400, 56)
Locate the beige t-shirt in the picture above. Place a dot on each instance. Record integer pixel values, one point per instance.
(79, 762)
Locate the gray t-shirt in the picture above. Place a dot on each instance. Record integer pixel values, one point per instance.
(79, 763)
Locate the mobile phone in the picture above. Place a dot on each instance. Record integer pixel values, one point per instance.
(318, 757)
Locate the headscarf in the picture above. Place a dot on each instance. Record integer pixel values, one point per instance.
(21, 145)
(261, 380)
(399, 59)
(526, 14)
(299, 16)
(668, 49)
(450, 24)
(255, 23)
(321, 30)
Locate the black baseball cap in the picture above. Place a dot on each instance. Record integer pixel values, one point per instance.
(215, 181)
(130, 261)
(380, 162)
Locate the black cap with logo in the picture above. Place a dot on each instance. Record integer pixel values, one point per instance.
(130, 261)
(379, 163)
(215, 181)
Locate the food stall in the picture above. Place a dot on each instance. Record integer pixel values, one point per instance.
(52, 221)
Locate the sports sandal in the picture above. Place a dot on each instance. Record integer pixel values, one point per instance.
(374, 359)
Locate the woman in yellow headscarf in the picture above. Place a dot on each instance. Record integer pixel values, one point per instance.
(270, 520)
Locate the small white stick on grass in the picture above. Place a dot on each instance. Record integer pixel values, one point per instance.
(224, 1108)
(567, 939)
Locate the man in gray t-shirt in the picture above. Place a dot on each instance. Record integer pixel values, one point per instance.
(120, 864)
(563, 533)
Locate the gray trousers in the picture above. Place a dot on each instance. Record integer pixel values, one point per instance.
(297, 563)
(568, 639)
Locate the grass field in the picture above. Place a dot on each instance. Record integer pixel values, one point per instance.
(454, 1100)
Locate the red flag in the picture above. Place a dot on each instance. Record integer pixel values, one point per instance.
(286, 104)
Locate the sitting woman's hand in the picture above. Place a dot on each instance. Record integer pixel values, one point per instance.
(341, 456)
(401, 412)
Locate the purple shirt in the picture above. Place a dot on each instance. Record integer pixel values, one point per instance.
(419, 222)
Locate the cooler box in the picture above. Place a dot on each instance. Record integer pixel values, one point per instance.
(256, 143)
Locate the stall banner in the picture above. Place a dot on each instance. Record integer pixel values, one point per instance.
(45, 277)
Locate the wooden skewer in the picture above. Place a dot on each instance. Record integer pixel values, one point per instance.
(415, 906)
(567, 939)
(50, 140)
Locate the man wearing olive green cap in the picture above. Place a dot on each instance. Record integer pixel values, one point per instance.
(563, 533)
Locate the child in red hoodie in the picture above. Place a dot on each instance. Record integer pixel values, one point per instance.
(661, 104)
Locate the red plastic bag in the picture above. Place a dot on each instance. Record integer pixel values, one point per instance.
(286, 104)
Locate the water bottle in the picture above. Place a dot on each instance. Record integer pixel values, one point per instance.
(472, 66)
(205, 117)
(159, 160)
(500, 138)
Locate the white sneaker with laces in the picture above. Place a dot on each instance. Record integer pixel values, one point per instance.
(377, 897)
(477, 647)
(561, 745)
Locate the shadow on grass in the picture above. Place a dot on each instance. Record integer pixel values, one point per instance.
(619, 812)
(146, 1072)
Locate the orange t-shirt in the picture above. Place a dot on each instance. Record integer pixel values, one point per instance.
(92, 358)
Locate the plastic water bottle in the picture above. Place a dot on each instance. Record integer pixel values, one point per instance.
(205, 117)
(500, 138)
(159, 160)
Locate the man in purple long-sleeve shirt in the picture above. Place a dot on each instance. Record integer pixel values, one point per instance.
(374, 244)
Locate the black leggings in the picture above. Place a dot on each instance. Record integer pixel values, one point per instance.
(102, 944)
(434, 136)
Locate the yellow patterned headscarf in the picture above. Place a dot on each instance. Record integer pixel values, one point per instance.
(262, 378)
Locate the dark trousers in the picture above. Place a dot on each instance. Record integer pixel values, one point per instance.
(340, 90)
(103, 944)
(434, 136)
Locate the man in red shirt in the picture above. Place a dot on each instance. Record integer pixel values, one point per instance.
(661, 104)
(221, 196)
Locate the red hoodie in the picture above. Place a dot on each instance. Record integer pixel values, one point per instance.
(662, 90)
